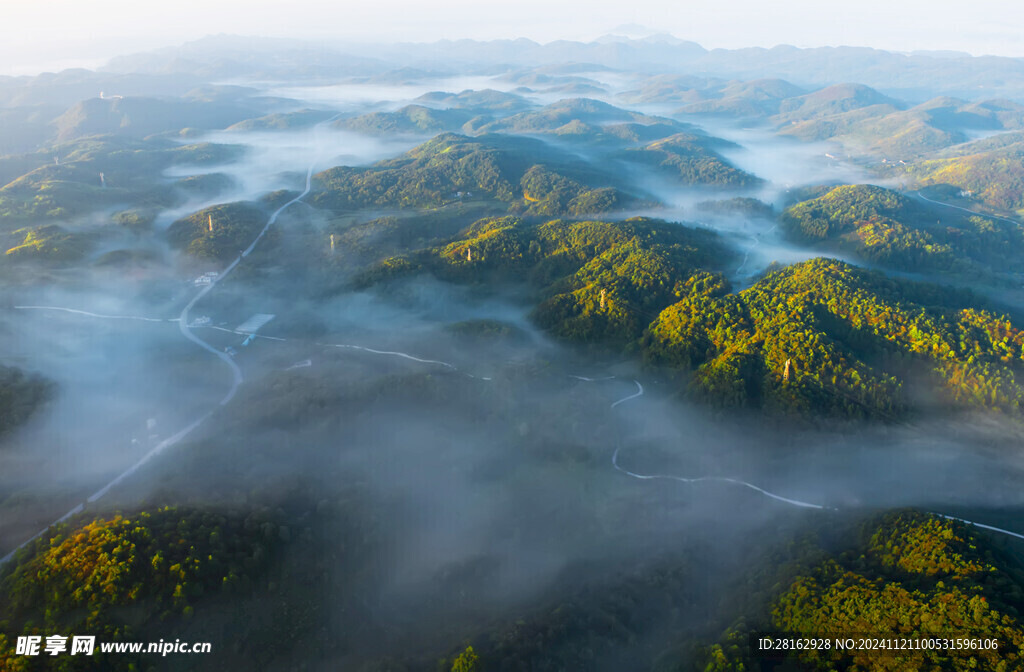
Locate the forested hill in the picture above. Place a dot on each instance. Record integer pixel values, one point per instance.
(560, 116)
(640, 264)
(991, 169)
(691, 159)
(840, 209)
(898, 231)
(218, 232)
(36, 190)
(523, 172)
(411, 119)
(856, 341)
(904, 574)
(49, 210)
(86, 577)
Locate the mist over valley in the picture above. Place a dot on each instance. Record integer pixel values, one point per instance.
(497, 355)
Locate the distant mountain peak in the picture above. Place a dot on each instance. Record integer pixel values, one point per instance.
(634, 31)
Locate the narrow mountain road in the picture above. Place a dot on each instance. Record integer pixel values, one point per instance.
(697, 479)
(639, 393)
(87, 313)
(717, 479)
(186, 331)
(756, 238)
(766, 493)
(967, 210)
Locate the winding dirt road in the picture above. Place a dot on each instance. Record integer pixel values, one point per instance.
(698, 479)
(186, 331)
(967, 210)
(772, 495)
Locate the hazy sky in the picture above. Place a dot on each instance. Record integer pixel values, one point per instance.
(46, 33)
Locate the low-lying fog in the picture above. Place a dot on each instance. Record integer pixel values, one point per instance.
(352, 96)
(518, 466)
(276, 160)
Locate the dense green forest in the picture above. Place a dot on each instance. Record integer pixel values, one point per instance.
(895, 230)
(564, 116)
(117, 577)
(547, 193)
(840, 209)
(20, 395)
(992, 170)
(691, 159)
(520, 171)
(853, 340)
(219, 232)
(900, 574)
(640, 265)
(415, 119)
